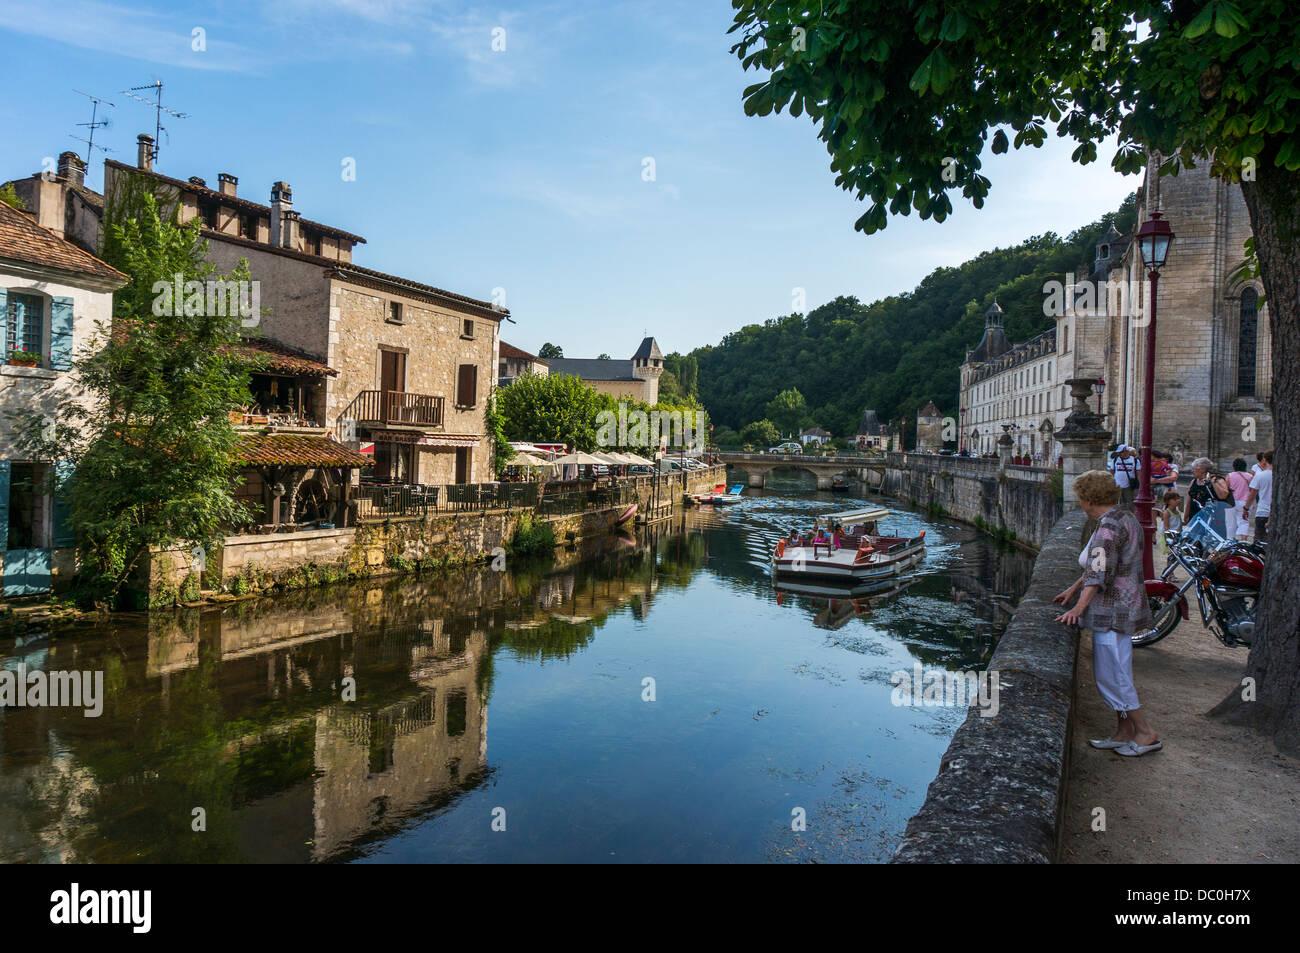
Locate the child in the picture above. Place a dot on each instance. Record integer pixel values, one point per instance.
(1171, 519)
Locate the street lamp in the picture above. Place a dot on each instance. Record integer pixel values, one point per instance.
(961, 427)
(1101, 389)
(1154, 238)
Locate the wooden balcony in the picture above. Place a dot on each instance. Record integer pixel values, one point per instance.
(395, 407)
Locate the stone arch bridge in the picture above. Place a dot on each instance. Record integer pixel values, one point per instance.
(866, 467)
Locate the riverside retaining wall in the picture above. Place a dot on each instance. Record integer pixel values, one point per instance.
(1000, 791)
(1021, 503)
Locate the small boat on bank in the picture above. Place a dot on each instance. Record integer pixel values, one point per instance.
(863, 555)
(720, 496)
(839, 484)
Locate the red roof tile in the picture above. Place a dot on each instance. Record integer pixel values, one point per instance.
(21, 239)
(277, 358)
(297, 450)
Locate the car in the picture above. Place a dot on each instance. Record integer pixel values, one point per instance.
(790, 447)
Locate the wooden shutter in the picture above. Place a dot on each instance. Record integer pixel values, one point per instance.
(63, 530)
(467, 386)
(4, 339)
(61, 333)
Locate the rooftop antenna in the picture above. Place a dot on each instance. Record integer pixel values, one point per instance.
(159, 109)
(95, 123)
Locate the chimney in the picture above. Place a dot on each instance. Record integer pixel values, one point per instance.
(281, 208)
(227, 183)
(144, 152)
(289, 231)
(71, 169)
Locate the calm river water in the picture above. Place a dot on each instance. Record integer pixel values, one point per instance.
(234, 719)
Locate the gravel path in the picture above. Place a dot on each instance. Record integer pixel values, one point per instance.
(1215, 794)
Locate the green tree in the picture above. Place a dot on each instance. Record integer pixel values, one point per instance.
(152, 449)
(788, 410)
(558, 408)
(603, 357)
(495, 423)
(761, 433)
(550, 350)
(9, 195)
(907, 95)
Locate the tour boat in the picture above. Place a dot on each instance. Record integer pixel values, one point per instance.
(720, 496)
(862, 555)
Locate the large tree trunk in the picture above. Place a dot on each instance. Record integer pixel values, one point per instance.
(1274, 663)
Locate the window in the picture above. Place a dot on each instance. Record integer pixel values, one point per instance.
(467, 329)
(1246, 342)
(394, 312)
(208, 212)
(311, 243)
(25, 328)
(467, 386)
(248, 226)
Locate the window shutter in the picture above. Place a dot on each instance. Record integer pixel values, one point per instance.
(4, 505)
(467, 386)
(61, 334)
(4, 333)
(64, 535)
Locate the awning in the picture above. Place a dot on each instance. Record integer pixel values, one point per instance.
(449, 440)
(296, 450)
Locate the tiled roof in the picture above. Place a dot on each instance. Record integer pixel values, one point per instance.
(648, 350)
(278, 358)
(519, 354)
(21, 239)
(415, 289)
(218, 196)
(593, 369)
(296, 450)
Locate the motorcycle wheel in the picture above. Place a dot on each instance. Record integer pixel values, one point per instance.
(1166, 625)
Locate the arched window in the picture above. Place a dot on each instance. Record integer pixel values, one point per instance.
(1246, 341)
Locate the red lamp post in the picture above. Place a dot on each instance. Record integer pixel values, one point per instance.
(1154, 238)
(961, 429)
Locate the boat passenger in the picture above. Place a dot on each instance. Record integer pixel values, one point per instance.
(836, 537)
(794, 538)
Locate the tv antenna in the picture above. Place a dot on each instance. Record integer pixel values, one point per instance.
(95, 123)
(159, 109)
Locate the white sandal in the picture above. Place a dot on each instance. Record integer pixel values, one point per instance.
(1106, 744)
(1131, 750)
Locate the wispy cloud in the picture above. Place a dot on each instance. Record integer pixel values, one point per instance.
(153, 37)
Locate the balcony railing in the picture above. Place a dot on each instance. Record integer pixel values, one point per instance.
(397, 407)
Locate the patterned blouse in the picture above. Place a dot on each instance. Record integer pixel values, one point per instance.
(1114, 563)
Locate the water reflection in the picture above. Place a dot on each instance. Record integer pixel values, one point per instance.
(352, 722)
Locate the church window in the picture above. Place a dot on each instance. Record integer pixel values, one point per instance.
(1246, 342)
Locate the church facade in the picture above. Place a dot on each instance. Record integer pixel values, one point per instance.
(1213, 362)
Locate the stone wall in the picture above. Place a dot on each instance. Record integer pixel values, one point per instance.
(1022, 503)
(1001, 785)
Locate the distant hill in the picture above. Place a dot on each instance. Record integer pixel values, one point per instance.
(895, 354)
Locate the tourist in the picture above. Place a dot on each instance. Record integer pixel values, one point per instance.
(1171, 520)
(1207, 487)
(1163, 472)
(1239, 480)
(1123, 466)
(1112, 604)
(1260, 501)
(836, 537)
(794, 538)
(1258, 465)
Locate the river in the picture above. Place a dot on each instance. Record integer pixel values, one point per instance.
(652, 699)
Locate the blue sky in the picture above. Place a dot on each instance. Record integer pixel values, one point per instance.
(519, 169)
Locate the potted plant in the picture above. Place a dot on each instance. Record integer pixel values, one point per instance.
(24, 358)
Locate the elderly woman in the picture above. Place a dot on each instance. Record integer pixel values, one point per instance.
(1207, 487)
(1112, 603)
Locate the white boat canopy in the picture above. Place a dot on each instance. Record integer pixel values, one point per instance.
(864, 514)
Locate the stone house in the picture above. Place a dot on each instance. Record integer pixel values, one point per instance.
(873, 435)
(929, 428)
(414, 363)
(515, 361)
(814, 435)
(54, 298)
(637, 378)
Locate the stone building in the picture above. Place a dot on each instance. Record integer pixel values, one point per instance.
(515, 361)
(1213, 380)
(637, 378)
(415, 363)
(873, 435)
(929, 428)
(53, 297)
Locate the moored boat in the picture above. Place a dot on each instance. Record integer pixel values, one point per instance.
(861, 554)
(720, 495)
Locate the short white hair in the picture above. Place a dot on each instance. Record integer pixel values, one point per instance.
(1203, 462)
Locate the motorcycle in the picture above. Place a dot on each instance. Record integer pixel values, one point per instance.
(1226, 576)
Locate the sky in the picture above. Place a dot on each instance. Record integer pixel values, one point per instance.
(598, 173)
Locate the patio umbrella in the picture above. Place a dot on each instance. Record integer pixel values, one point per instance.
(638, 461)
(579, 459)
(527, 460)
(612, 458)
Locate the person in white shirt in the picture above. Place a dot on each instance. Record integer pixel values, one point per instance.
(1123, 466)
(1260, 501)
